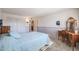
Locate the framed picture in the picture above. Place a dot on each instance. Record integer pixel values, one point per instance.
(0, 22)
(57, 22)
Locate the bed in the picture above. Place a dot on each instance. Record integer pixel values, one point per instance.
(31, 41)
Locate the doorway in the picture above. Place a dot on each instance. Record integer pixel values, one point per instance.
(33, 25)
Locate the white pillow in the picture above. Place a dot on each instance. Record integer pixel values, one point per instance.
(15, 35)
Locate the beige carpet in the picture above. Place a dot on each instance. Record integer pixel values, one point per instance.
(60, 46)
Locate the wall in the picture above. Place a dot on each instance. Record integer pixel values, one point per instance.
(0, 13)
(47, 24)
(62, 16)
(16, 22)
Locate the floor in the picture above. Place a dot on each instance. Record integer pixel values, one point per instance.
(60, 46)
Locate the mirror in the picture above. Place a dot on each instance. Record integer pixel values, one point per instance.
(71, 23)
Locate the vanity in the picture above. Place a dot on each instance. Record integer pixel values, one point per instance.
(70, 35)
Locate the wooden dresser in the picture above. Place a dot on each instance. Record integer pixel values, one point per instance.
(71, 37)
(4, 29)
(74, 38)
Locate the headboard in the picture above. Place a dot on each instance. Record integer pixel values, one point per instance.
(4, 29)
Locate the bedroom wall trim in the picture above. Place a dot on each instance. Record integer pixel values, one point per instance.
(52, 31)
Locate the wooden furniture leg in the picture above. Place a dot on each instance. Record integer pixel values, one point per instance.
(72, 46)
(72, 42)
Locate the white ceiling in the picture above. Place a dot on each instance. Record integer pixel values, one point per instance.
(31, 11)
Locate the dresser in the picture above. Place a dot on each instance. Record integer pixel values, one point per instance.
(74, 38)
(71, 37)
(4, 29)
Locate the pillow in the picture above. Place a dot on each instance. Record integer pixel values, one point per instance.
(15, 35)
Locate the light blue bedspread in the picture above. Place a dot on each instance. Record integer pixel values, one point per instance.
(31, 41)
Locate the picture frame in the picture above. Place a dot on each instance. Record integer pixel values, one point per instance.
(57, 22)
(0, 22)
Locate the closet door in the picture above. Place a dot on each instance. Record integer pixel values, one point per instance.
(13, 24)
(18, 25)
(23, 26)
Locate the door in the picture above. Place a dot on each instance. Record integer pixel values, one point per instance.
(33, 25)
(18, 25)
